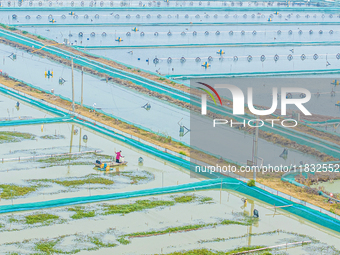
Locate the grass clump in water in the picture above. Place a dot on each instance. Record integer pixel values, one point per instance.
(41, 218)
(57, 159)
(13, 220)
(10, 137)
(11, 190)
(123, 241)
(206, 199)
(245, 219)
(136, 177)
(232, 222)
(47, 247)
(181, 229)
(84, 159)
(212, 252)
(81, 213)
(96, 241)
(170, 230)
(137, 206)
(79, 182)
(185, 199)
(52, 137)
(249, 248)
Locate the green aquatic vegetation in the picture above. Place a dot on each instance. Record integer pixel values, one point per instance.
(81, 213)
(96, 241)
(137, 206)
(232, 222)
(80, 159)
(170, 230)
(182, 153)
(182, 228)
(145, 204)
(41, 218)
(162, 232)
(10, 137)
(47, 247)
(249, 248)
(136, 177)
(13, 220)
(77, 182)
(52, 137)
(244, 218)
(2, 225)
(212, 252)
(185, 199)
(58, 159)
(123, 241)
(197, 252)
(242, 236)
(8, 191)
(206, 199)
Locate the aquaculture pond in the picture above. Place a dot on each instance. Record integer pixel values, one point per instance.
(165, 4)
(143, 35)
(224, 59)
(112, 99)
(43, 162)
(163, 17)
(162, 225)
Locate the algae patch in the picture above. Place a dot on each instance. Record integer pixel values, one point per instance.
(12, 137)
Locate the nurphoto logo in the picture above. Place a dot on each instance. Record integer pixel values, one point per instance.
(239, 104)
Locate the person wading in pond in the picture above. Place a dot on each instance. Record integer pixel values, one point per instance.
(118, 156)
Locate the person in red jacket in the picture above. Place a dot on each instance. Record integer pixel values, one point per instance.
(118, 156)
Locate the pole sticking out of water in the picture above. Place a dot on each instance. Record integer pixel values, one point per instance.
(256, 146)
(162, 179)
(72, 86)
(221, 192)
(82, 86)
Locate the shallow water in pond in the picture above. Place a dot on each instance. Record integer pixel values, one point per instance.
(18, 172)
(184, 35)
(231, 207)
(10, 111)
